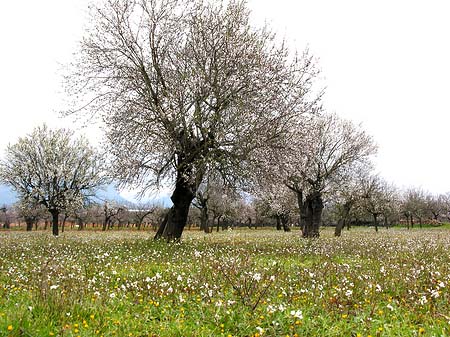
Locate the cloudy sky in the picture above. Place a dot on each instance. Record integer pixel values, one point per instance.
(385, 64)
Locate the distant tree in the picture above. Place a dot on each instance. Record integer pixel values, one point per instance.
(186, 88)
(213, 198)
(223, 204)
(435, 205)
(320, 157)
(30, 213)
(6, 216)
(111, 210)
(347, 196)
(277, 202)
(378, 199)
(50, 168)
(414, 205)
(82, 214)
(140, 211)
(201, 203)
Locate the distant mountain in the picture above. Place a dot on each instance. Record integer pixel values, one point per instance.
(109, 192)
(9, 197)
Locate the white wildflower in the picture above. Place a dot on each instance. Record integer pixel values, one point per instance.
(271, 309)
(256, 277)
(434, 293)
(297, 314)
(423, 300)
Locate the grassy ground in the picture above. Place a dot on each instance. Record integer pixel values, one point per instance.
(233, 283)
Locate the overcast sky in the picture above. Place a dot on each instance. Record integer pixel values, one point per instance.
(385, 64)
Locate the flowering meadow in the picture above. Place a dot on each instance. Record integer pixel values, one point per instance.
(234, 283)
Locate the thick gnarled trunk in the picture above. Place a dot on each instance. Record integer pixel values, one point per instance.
(173, 224)
(313, 207)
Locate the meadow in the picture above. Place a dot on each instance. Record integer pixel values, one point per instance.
(233, 283)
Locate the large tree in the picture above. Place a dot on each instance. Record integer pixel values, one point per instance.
(52, 169)
(186, 88)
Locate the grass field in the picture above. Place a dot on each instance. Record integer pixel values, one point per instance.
(233, 283)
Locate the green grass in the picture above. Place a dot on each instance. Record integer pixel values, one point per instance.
(238, 283)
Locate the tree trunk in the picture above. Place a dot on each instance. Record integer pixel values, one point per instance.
(29, 223)
(55, 219)
(105, 223)
(7, 225)
(375, 221)
(204, 219)
(249, 223)
(63, 223)
(80, 224)
(284, 222)
(313, 215)
(339, 226)
(302, 209)
(278, 223)
(218, 222)
(173, 225)
(342, 222)
(202, 205)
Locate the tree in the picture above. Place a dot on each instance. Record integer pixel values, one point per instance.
(49, 168)
(320, 157)
(140, 211)
(6, 216)
(378, 199)
(29, 212)
(278, 202)
(435, 205)
(201, 203)
(347, 195)
(186, 88)
(415, 205)
(111, 210)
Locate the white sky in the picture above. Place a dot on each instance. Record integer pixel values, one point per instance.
(385, 63)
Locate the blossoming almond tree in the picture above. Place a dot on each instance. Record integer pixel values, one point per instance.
(322, 157)
(51, 168)
(186, 88)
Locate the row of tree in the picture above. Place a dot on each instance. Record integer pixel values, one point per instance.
(374, 202)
